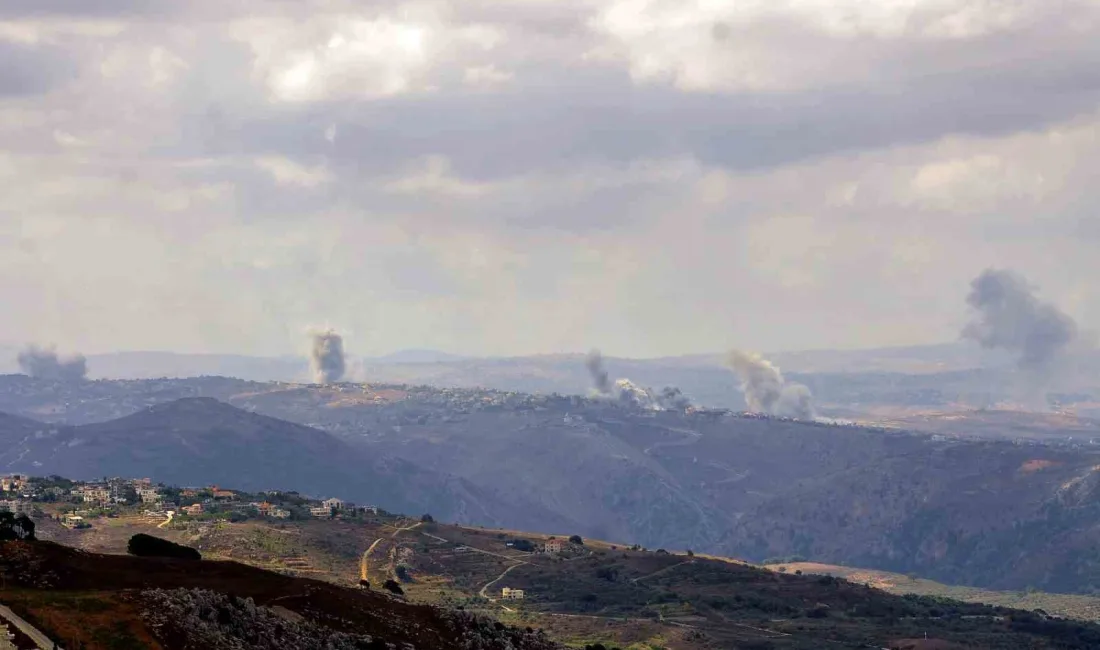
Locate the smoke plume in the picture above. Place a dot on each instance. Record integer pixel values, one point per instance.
(1010, 317)
(326, 356)
(44, 363)
(601, 383)
(629, 393)
(766, 391)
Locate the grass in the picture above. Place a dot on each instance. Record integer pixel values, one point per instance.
(1080, 607)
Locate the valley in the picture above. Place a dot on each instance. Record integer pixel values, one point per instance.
(947, 505)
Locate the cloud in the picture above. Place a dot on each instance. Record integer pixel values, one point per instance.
(522, 176)
(31, 69)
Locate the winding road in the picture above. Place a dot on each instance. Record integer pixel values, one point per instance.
(41, 640)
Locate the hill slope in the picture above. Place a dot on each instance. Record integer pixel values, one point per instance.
(201, 441)
(98, 602)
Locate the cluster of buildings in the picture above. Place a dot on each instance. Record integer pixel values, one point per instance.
(330, 506)
(94, 497)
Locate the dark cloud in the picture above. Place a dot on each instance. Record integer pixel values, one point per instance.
(78, 8)
(32, 69)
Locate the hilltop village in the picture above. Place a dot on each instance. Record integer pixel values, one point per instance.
(75, 503)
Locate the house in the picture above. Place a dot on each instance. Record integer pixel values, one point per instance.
(72, 521)
(265, 508)
(192, 510)
(511, 594)
(336, 504)
(552, 546)
(96, 494)
(320, 511)
(17, 507)
(149, 495)
(218, 493)
(279, 513)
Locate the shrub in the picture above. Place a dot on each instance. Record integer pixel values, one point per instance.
(392, 586)
(12, 527)
(144, 545)
(576, 539)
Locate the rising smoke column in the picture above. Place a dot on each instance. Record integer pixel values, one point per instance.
(44, 363)
(326, 356)
(766, 391)
(1009, 317)
(601, 382)
(627, 392)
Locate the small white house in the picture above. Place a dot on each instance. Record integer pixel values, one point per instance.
(552, 546)
(333, 503)
(511, 594)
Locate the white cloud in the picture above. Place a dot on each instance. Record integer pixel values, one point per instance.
(288, 172)
(522, 176)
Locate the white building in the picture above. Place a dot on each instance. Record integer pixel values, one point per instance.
(511, 594)
(333, 503)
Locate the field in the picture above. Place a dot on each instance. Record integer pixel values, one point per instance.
(1085, 608)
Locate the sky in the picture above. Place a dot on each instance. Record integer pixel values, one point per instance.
(650, 177)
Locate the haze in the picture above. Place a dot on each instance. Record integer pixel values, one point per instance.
(516, 177)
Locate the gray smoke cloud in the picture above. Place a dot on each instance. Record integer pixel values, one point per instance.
(326, 356)
(601, 383)
(44, 363)
(766, 391)
(627, 392)
(1008, 316)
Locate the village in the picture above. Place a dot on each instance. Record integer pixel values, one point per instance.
(75, 503)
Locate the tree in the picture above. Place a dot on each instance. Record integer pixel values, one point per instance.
(392, 586)
(426, 518)
(16, 528)
(144, 545)
(576, 539)
(402, 572)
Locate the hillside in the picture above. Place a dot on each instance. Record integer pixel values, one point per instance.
(939, 505)
(200, 441)
(101, 602)
(1084, 608)
(595, 592)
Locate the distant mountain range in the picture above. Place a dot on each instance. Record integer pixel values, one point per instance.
(201, 441)
(946, 508)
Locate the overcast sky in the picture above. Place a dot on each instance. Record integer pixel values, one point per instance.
(519, 176)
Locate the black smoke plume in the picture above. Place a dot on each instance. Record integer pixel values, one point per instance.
(1008, 316)
(44, 363)
(326, 356)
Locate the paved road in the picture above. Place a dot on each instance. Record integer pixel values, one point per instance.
(168, 520)
(41, 640)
